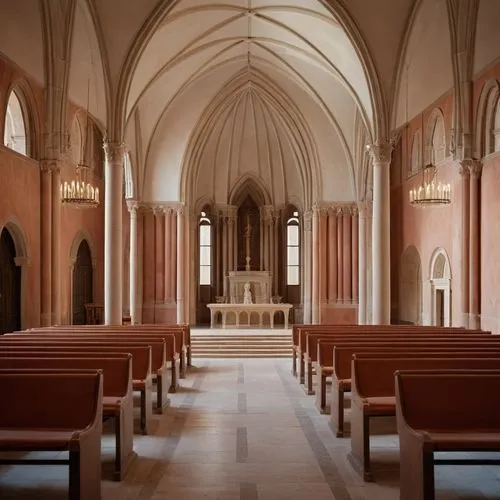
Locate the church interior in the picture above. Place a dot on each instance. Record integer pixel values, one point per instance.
(258, 163)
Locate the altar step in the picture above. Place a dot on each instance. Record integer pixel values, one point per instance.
(241, 346)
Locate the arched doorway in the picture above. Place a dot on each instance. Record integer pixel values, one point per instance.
(410, 287)
(10, 285)
(440, 288)
(82, 283)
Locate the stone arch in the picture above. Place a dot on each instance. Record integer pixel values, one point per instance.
(22, 260)
(79, 238)
(416, 153)
(410, 287)
(487, 139)
(435, 138)
(440, 281)
(249, 185)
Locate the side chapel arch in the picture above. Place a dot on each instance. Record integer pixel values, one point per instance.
(410, 287)
(440, 281)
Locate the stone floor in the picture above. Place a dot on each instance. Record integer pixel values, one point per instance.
(244, 429)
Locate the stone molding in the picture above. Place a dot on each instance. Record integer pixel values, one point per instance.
(114, 152)
(380, 152)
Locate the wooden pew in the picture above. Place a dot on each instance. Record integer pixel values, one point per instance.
(326, 343)
(374, 396)
(341, 378)
(460, 413)
(117, 392)
(312, 340)
(343, 328)
(141, 364)
(163, 358)
(366, 330)
(45, 415)
(181, 332)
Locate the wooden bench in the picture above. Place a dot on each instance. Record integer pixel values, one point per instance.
(45, 415)
(374, 396)
(164, 362)
(141, 364)
(303, 332)
(443, 410)
(341, 371)
(117, 392)
(312, 340)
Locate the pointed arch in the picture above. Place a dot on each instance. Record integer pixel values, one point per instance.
(249, 185)
(435, 138)
(487, 138)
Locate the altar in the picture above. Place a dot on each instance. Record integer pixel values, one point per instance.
(241, 315)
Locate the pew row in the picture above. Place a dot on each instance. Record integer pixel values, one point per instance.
(45, 416)
(164, 360)
(141, 365)
(117, 392)
(374, 396)
(460, 414)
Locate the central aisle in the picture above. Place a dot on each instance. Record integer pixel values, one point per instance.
(244, 429)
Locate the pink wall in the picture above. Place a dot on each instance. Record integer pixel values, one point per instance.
(20, 203)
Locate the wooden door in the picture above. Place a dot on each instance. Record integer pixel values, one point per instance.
(10, 285)
(82, 283)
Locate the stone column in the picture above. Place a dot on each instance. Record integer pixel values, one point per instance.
(173, 257)
(340, 254)
(159, 255)
(261, 229)
(133, 207)
(381, 257)
(167, 297)
(46, 243)
(113, 251)
(230, 242)
(465, 174)
(276, 228)
(323, 256)
(347, 256)
(332, 255)
(307, 266)
(354, 255)
(362, 263)
(180, 265)
(474, 245)
(56, 244)
(315, 266)
(225, 253)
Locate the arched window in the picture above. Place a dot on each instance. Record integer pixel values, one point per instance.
(127, 178)
(435, 138)
(15, 126)
(293, 250)
(205, 234)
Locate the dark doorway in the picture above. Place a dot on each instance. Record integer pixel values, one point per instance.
(439, 307)
(10, 285)
(82, 283)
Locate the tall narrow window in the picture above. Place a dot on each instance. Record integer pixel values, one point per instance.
(205, 250)
(127, 178)
(293, 245)
(15, 126)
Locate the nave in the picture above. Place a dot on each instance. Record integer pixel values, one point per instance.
(245, 430)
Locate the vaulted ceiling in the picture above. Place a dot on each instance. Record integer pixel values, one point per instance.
(283, 91)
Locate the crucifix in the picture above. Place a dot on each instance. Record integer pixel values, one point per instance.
(247, 236)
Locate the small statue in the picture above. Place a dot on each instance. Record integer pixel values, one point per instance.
(247, 294)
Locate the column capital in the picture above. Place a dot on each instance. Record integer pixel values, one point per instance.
(133, 206)
(181, 210)
(472, 167)
(50, 165)
(114, 151)
(364, 208)
(380, 152)
(158, 210)
(167, 210)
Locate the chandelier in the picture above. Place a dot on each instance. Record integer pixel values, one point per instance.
(79, 193)
(430, 192)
